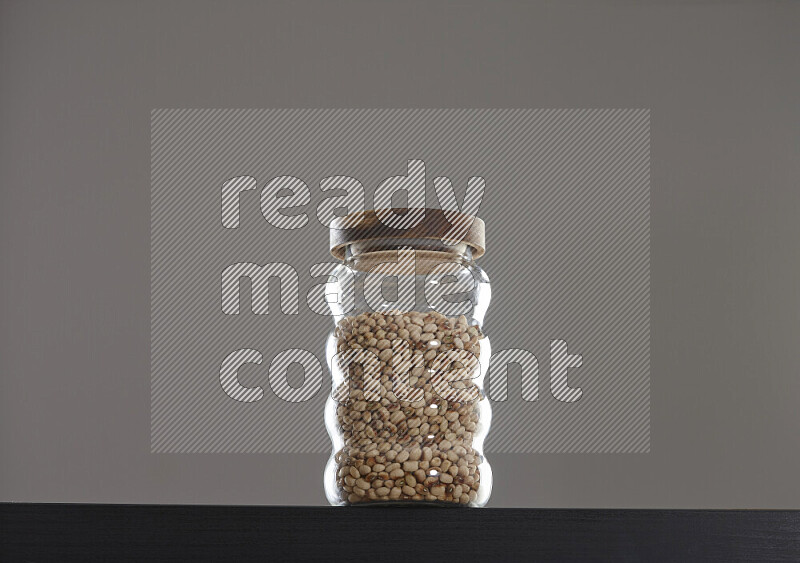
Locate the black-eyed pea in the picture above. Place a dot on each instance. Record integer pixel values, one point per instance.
(427, 337)
(410, 466)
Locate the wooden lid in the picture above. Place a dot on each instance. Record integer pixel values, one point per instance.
(366, 226)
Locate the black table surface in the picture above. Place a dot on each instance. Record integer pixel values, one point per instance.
(84, 532)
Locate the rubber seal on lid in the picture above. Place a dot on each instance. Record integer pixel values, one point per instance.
(445, 226)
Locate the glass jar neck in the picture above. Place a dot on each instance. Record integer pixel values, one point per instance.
(407, 256)
(432, 247)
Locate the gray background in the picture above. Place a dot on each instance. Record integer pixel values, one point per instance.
(78, 80)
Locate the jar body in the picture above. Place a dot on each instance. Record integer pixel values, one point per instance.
(408, 414)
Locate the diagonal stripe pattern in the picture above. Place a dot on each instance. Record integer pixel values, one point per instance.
(566, 203)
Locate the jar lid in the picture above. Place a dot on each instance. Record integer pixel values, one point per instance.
(365, 226)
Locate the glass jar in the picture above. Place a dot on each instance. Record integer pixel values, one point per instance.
(408, 415)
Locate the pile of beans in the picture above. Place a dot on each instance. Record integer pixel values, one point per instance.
(396, 450)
